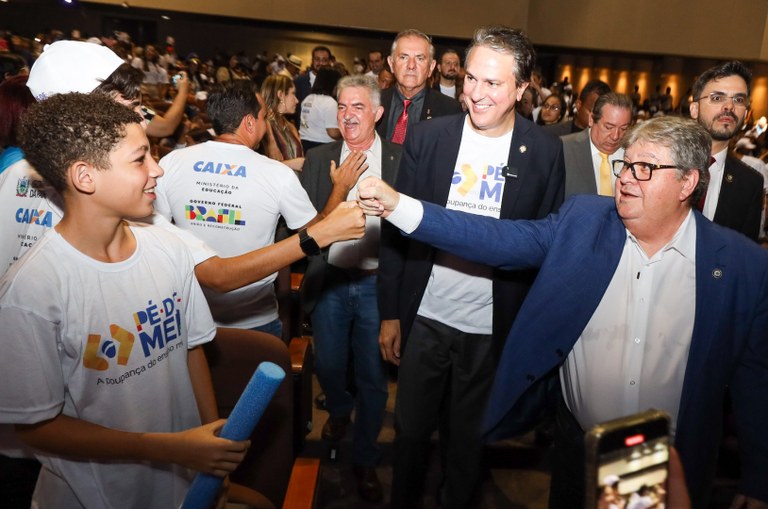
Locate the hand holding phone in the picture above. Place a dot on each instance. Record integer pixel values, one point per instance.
(179, 78)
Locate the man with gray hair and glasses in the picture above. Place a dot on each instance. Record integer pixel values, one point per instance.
(734, 197)
(640, 302)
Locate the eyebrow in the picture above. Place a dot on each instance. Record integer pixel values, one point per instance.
(142, 150)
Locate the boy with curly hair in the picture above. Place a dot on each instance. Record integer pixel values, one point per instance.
(102, 323)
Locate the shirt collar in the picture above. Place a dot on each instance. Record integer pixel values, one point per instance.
(683, 241)
(720, 158)
(419, 95)
(373, 149)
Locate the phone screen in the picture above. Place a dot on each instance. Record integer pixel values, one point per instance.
(631, 464)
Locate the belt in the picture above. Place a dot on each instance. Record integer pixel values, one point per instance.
(352, 272)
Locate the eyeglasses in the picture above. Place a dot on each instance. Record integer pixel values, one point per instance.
(719, 98)
(640, 170)
(553, 107)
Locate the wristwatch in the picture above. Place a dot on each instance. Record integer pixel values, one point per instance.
(307, 243)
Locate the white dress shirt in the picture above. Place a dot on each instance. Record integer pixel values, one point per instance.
(716, 171)
(360, 253)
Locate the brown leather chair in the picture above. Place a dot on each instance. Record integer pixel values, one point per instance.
(233, 357)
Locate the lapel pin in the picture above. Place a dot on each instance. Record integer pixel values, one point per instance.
(523, 149)
(729, 177)
(717, 273)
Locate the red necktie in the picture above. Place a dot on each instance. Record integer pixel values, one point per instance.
(402, 124)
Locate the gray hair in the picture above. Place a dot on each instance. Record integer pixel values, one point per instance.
(412, 32)
(687, 141)
(613, 99)
(511, 41)
(362, 81)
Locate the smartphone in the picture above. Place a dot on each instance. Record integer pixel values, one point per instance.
(176, 78)
(627, 462)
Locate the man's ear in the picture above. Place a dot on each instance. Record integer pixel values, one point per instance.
(521, 89)
(591, 120)
(694, 109)
(689, 181)
(379, 113)
(248, 123)
(432, 66)
(82, 177)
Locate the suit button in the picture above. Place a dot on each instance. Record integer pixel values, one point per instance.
(530, 377)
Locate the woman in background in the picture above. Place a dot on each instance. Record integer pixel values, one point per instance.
(281, 142)
(318, 111)
(552, 110)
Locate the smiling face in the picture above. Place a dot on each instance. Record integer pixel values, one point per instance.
(646, 205)
(722, 121)
(357, 117)
(411, 64)
(127, 187)
(490, 91)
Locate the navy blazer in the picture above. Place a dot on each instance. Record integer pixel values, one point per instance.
(426, 171)
(577, 251)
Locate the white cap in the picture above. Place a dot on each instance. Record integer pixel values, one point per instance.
(71, 66)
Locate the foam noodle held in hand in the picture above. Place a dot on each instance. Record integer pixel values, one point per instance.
(239, 426)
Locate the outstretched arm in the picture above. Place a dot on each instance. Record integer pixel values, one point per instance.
(226, 274)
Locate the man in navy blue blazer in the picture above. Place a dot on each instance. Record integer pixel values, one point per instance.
(640, 302)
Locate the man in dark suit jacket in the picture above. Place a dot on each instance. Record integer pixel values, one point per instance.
(720, 102)
(454, 315)
(587, 309)
(339, 288)
(412, 61)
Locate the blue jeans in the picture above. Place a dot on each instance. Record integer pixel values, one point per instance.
(346, 318)
(274, 327)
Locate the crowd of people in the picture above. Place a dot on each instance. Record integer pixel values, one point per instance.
(524, 252)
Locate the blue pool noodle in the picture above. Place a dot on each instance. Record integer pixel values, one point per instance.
(239, 426)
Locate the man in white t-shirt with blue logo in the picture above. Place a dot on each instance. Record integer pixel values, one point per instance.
(454, 314)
